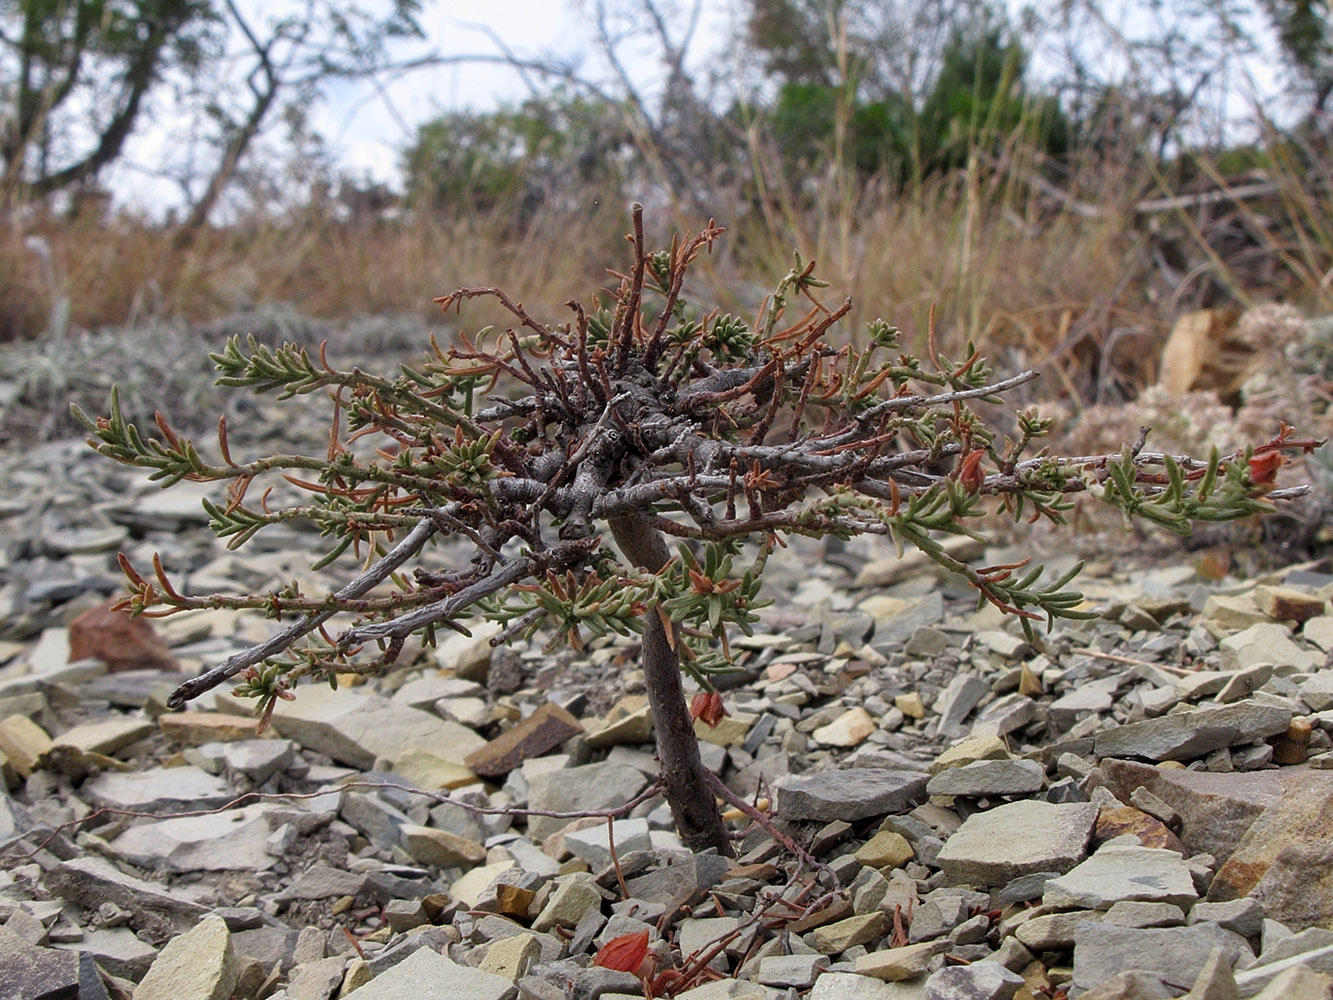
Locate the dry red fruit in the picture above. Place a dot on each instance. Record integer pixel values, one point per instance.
(624, 954)
(1263, 468)
(969, 473)
(707, 705)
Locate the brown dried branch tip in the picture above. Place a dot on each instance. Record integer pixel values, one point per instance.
(652, 416)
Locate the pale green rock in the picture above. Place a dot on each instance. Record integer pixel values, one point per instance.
(885, 849)
(851, 728)
(896, 964)
(511, 957)
(837, 937)
(430, 846)
(1230, 613)
(980, 746)
(468, 890)
(729, 732)
(632, 729)
(106, 736)
(1319, 631)
(197, 965)
(573, 897)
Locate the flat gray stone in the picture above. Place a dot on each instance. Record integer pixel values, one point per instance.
(107, 735)
(682, 878)
(372, 817)
(28, 972)
(1189, 735)
(592, 786)
(936, 917)
(14, 819)
(989, 777)
(1244, 916)
(358, 730)
(91, 881)
(323, 882)
(1020, 838)
(267, 945)
(1319, 631)
(1266, 972)
(1317, 692)
(1175, 954)
(848, 794)
(118, 950)
(978, 981)
(956, 702)
(799, 971)
(426, 975)
(317, 979)
(1006, 715)
(227, 841)
(1132, 913)
(1266, 642)
(1005, 644)
(834, 986)
(163, 789)
(258, 760)
(594, 844)
(695, 935)
(1094, 696)
(1052, 931)
(597, 983)
(1115, 874)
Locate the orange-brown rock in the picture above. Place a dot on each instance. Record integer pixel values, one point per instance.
(1151, 831)
(197, 728)
(1272, 831)
(540, 733)
(119, 641)
(1293, 746)
(513, 901)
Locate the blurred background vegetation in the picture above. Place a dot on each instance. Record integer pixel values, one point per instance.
(1061, 208)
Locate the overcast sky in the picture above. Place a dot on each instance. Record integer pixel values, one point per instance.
(368, 125)
(367, 129)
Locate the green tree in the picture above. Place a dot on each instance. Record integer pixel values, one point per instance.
(75, 76)
(803, 123)
(979, 100)
(1305, 31)
(860, 78)
(561, 143)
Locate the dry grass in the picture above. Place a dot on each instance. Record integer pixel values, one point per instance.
(1074, 280)
(123, 272)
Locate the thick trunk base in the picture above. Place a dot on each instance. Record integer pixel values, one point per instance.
(684, 779)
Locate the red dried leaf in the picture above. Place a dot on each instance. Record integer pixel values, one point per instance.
(707, 705)
(624, 954)
(1263, 468)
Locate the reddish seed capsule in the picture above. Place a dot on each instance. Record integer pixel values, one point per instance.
(1263, 468)
(624, 954)
(969, 473)
(707, 705)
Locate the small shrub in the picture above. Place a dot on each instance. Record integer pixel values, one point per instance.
(643, 417)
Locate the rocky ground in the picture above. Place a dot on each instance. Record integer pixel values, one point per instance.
(1137, 809)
